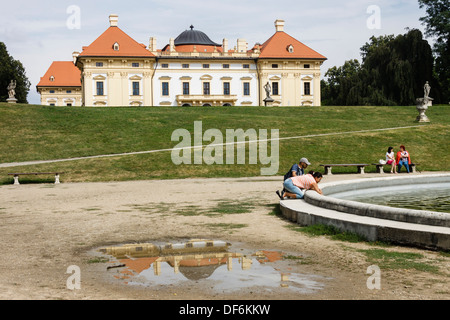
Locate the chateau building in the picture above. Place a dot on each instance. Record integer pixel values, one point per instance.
(191, 70)
(61, 85)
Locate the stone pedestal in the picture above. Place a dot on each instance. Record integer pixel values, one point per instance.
(268, 102)
(11, 100)
(422, 107)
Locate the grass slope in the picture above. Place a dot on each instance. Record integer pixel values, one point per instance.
(32, 132)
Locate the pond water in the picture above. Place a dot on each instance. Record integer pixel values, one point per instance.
(222, 271)
(432, 197)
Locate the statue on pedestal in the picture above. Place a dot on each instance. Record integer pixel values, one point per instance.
(12, 92)
(268, 101)
(424, 103)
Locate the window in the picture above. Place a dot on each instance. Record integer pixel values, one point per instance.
(246, 88)
(290, 48)
(246, 66)
(185, 66)
(68, 104)
(136, 88)
(226, 88)
(307, 88)
(274, 66)
(99, 64)
(206, 88)
(165, 88)
(100, 88)
(52, 91)
(135, 64)
(226, 66)
(186, 88)
(52, 78)
(275, 89)
(205, 66)
(307, 66)
(69, 91)
(165, 65)
(116, 46)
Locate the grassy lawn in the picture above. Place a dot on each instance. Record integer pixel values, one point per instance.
(32, 133)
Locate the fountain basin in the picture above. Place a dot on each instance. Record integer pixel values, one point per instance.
(421, 228)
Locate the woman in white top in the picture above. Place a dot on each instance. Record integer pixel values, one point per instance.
(390, 159)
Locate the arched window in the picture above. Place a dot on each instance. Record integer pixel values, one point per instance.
(116, 46)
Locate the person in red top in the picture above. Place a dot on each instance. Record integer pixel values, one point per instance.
(295, 186)
(403, 159)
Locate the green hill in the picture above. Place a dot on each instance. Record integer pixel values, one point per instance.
(324, 135)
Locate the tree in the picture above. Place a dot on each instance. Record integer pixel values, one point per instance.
(11, 69)
(393, 72)
(437, 23)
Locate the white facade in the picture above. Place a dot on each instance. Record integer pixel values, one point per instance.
(205, 82)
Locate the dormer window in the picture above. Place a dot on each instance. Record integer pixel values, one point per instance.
(52, 78)
(116, 46)
(290, 48)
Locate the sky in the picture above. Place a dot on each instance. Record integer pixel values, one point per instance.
(40, 32)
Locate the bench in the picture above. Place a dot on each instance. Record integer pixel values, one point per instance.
(380, 166)
(360, 167)
(16, 175)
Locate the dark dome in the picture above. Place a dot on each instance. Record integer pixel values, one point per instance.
(194, 37)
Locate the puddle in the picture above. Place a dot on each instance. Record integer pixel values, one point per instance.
(209, 264)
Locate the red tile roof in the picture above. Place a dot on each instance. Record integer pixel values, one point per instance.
(277, 47)
(104, 46)
(64, 73)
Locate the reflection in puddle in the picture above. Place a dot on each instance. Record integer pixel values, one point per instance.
(202, 262)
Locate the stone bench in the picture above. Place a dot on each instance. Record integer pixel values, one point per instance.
(16, 175)
(360, 167)
(380, 167)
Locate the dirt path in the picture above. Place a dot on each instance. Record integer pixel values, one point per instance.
(47, 228)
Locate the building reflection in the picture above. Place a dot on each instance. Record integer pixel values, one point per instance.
(200, 260)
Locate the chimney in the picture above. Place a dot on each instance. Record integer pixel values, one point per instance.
(225, 45)
(113, 20)
(172, 44)
(75, 55)
(279, 25)
(152, 45)
(241, 45)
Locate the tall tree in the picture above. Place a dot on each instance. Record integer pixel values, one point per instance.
(437, 23)
(11, 69)
(393, 72)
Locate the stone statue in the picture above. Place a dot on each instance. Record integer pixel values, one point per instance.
(268, 101)
(424, 103)
(268, 89)
(426, 89)
(12, 92)
(12, 89)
